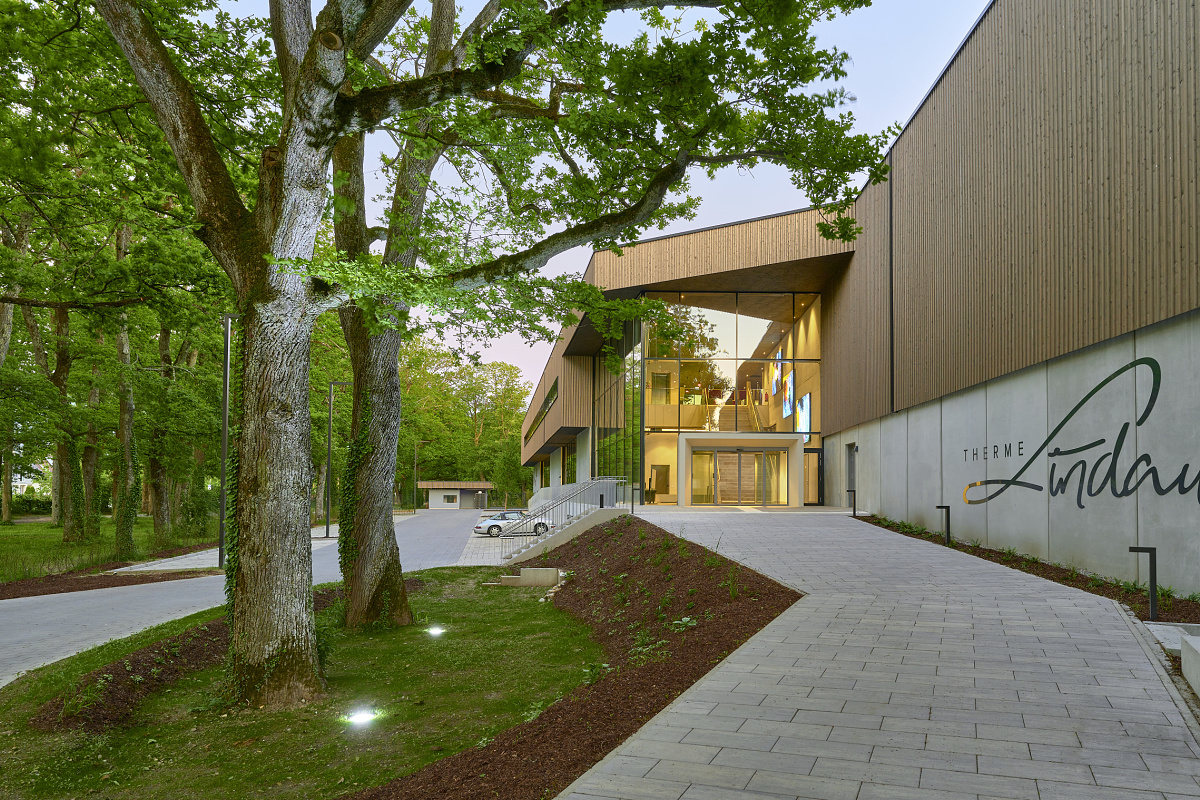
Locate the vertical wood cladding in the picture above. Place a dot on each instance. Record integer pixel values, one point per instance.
(1046, 191)
(855, 373)
(772, 240)
(572, 409)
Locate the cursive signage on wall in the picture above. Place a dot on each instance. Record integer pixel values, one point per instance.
(1090, 468)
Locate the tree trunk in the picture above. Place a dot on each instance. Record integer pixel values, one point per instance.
(160, 502)
(6, 486)
(69, 515)
(126, 490)
(90, 513)
(273, 644)
(367, 550)
(56, 514)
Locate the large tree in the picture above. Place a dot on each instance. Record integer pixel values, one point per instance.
(577, 135)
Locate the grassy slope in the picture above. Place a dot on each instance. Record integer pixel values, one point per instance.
(503, 657)
(33, 549)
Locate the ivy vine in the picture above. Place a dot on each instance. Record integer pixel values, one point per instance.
(359, 448)
(128, 504)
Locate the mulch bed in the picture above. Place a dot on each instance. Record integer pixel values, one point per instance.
(108, 696)
(1169, 609)
(631, 578)
(80, 580)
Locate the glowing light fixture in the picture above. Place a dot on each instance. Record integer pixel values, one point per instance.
(436, 630)
(362, 717)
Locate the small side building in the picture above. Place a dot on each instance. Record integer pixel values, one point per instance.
(457, 494)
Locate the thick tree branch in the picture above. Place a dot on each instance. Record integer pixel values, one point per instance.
(291, 30)
(227, 227)
(369, 108)
(485, 17)
(380, 18)
(605, 226)
(75, 305)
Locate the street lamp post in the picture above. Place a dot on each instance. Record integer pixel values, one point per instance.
(226, 320)
(329, 456)
(416, 444)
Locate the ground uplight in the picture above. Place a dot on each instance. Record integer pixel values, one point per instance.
(362, 717)
(436, 630)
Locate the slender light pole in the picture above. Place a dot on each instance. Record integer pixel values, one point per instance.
(329, 456)
(226, 321)
(416, 444)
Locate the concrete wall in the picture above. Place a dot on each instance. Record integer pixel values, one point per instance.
(1073, 460)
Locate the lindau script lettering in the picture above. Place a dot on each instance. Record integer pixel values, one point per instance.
(1090, 469)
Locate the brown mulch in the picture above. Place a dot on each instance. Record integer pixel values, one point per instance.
(108, 696)
(631, 578)
(1169, 609)
(80, 580)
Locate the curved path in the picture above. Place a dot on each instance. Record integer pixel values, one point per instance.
(909, 671)
(38, 630)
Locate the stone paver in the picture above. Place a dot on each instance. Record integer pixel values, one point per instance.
(39, 630)
(908, 671)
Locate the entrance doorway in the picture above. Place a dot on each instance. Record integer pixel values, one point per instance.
(736, 476)
(814, 476)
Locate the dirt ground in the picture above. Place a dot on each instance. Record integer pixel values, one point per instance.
(98, 577)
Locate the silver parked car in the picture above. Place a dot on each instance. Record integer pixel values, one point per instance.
(514, 522)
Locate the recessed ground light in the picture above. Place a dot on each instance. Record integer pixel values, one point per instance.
(362, 717)
(436, 631)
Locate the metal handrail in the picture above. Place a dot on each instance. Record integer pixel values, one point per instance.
(564, 508)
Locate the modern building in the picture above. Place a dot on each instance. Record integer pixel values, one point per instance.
(457, 494)
(1015, 334)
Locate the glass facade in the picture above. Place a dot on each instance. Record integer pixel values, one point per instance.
(736, 362)
(617, 414)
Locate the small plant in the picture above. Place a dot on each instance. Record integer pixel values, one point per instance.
(1193, 597)
(645, 650)
(681, 625)
(594, 672)
(732, 582)
(713, 561)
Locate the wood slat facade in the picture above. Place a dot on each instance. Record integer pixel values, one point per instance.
(1043, 198)
(1045, 194)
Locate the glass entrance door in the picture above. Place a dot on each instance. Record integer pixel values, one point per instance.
(739, 477)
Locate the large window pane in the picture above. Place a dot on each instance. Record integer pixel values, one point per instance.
(662, 394)
(710, 323)
(764, 325)
(761, 396)
(808, 396)
(706, 395)
(807, 333)
(662, 468)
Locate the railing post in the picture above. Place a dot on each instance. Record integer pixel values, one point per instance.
(1152, 552)
(854, 500)
(947, 510)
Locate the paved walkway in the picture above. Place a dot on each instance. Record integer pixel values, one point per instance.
(38, 630)
(909, 671)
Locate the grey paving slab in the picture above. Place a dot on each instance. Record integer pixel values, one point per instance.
(39, 630)
(909, 671)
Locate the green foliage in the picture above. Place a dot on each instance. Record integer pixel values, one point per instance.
(443, 692)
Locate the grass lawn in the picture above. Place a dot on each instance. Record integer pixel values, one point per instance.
(34, 549)
(502, 658)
